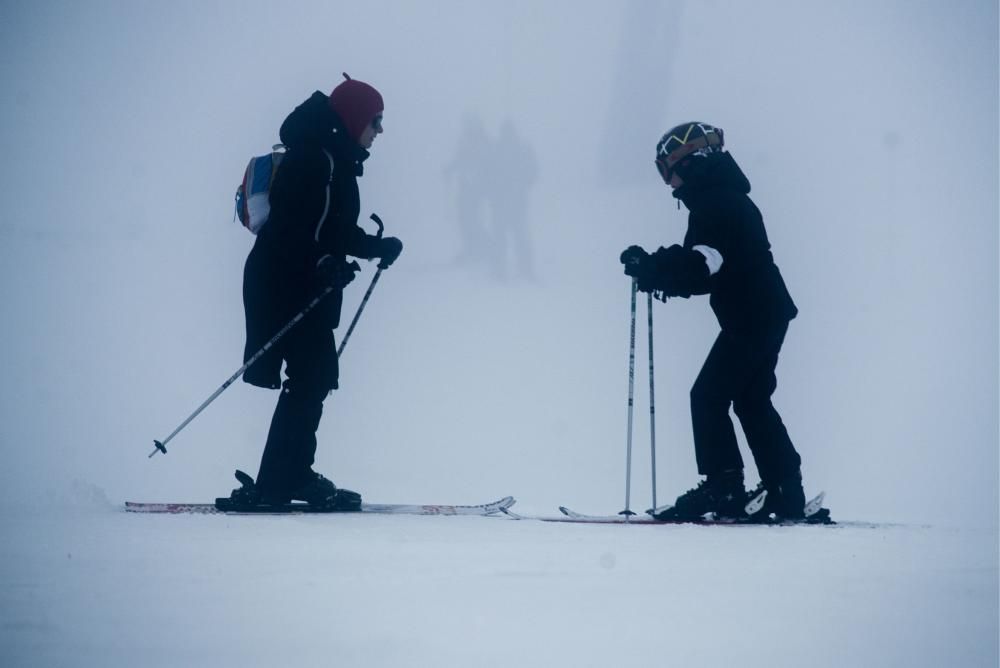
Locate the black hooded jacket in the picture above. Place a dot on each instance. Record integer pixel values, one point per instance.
(314, 213)
(747, 291)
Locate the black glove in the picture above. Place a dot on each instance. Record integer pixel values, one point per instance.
(334, 273)
(675, 271)
(633, 258)
(645, 268)
(388, 249)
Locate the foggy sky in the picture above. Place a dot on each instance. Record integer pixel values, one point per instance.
(868, 131)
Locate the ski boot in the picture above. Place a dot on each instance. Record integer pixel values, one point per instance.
(784, 502)
(323, 495)
(244, 497)
(720, 495)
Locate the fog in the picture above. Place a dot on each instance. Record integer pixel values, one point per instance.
(515, 165)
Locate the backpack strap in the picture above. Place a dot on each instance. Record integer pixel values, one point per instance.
(326, 205)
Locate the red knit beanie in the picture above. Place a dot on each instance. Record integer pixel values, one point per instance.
(356, 103)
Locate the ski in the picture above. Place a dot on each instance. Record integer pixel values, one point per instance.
(484, 509)
(814, 514)
(570, 516)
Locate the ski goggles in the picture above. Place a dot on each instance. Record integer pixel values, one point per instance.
(667, 168)
(666, 171)
(667, 163)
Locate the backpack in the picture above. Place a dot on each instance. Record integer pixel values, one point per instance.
(252, 204)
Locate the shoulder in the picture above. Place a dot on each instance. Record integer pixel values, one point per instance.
(726, 203)
(305, 160)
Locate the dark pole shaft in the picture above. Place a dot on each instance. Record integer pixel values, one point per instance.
(631, 402)
(368, 292)
(354, 321)
(652, 396)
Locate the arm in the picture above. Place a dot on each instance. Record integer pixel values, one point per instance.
(676, 271)
(368, 246)
(681, 272)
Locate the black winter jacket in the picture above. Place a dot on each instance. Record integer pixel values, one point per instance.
(747, 291)
(318, 174)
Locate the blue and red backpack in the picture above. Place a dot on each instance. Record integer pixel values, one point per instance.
(252, 204)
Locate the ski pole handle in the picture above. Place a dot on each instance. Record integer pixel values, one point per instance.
(378, 221)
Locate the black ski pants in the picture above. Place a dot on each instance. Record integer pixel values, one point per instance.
(739, 372)
(310, 356)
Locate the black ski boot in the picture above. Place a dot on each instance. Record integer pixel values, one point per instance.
(244, 497)
(722, 495)
(321, 494)
(784, 501)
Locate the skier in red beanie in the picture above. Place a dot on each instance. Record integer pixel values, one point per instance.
(300, 251)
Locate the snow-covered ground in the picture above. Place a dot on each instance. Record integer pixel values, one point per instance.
(96, 586)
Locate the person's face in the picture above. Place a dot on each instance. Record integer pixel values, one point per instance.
(373, 130)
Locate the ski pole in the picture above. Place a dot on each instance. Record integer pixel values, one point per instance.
(160, 446)
(368, 293)
(357, 315)
(631, 396)
(652, 399)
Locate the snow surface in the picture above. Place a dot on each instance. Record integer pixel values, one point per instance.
(868, 129)
(100, 587)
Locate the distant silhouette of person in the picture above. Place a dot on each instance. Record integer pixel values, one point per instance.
(467, 170)
(514, 171)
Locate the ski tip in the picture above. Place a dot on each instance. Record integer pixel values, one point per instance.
(572, 514)
(504, 503)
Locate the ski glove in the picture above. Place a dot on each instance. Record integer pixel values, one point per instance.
(633, 257)
(388, 249)
(678, 272)
(641, 266)
(674, 271)
(336, 274)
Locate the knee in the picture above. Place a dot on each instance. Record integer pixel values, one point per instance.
(704, 397)
(306, 390)
(753, 405)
